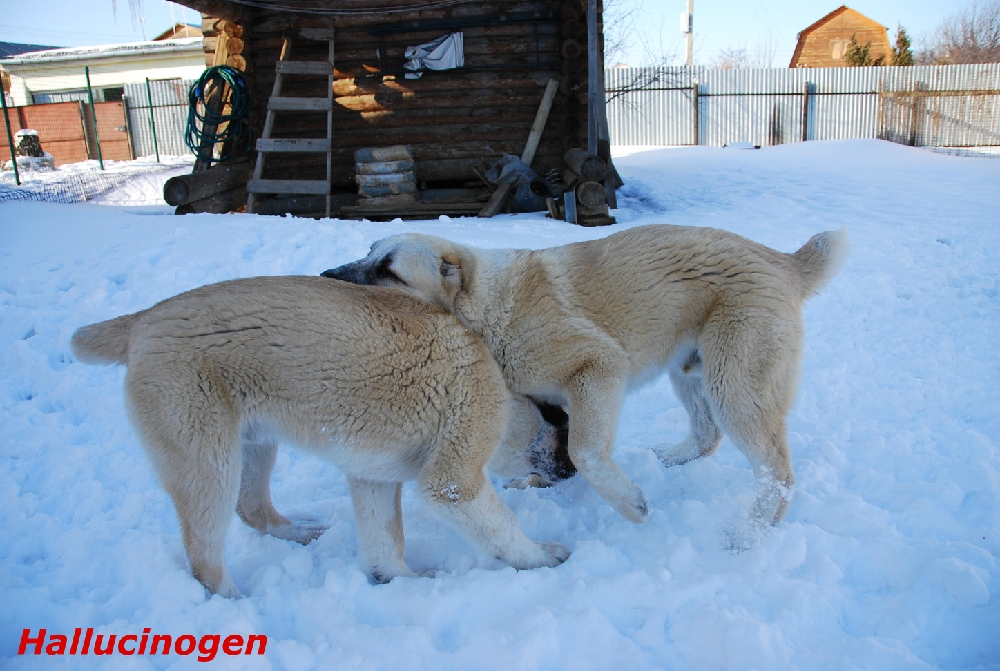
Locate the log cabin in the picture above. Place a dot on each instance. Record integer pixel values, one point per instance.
(457, 122)
(822, 44)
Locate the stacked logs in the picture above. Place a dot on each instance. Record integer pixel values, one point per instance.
(220, 189)
(225, 43)
(583, 173)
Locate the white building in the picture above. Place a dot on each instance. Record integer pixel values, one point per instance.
(58, 75)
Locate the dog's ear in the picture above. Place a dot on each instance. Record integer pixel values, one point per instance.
(454, 277)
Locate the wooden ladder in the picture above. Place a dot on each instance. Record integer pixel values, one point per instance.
(276, 103)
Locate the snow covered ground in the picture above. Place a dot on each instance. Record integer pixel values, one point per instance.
(889, 557)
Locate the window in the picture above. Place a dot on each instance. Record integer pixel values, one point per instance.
(837, 49)
(114, 95)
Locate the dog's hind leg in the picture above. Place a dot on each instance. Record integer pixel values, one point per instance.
(379, 517)
(255, 506)
(704, 436)
(750, 373)
(188, 426)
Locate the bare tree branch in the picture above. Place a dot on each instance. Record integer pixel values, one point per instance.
(970, 36)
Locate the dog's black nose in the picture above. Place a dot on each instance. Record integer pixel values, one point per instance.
(355, 273)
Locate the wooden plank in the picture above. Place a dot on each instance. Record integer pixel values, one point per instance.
(303, 186)
(299, 105)
(304, 68)
(310, 145)
(500, 195)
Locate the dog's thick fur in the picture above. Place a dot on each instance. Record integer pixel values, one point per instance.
(580, 324)
(387, 387)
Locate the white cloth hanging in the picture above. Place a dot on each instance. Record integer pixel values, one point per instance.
(444, 53)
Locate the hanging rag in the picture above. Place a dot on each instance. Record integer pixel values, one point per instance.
(444, 53)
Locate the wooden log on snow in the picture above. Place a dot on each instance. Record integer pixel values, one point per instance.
(184, 189)
(590, 168)
(591, 194)
(220, 203)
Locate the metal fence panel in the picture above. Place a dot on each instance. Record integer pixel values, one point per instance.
(170, 110)
(944, 106)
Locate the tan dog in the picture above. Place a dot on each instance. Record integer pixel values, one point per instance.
(580, 324)
(387, 387)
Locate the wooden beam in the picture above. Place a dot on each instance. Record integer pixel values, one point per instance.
(500, 195)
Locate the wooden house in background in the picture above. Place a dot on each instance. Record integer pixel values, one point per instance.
(822, 45)
(457, 122)
(178, 31)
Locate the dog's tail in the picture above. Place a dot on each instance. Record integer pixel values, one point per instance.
(104, 342)
(820, 259)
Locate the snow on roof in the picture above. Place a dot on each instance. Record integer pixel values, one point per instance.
(107, 51)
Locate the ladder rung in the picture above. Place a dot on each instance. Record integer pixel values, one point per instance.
(300, 104)
(303, 186)
(304, 68)
(318, 145)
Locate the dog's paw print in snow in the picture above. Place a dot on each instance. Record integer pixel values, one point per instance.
(251, 249)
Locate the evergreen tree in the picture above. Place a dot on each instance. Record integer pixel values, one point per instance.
(901, 53)
(858, 55)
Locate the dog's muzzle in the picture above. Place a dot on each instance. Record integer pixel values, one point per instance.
(355, 273)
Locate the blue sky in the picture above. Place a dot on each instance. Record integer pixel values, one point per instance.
(719, 24)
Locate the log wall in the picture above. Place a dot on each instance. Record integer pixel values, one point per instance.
(456, 121)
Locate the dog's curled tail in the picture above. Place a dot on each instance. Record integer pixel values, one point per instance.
(104, 342)
(820, 259)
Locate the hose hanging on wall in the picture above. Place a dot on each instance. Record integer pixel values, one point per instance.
(203, 127)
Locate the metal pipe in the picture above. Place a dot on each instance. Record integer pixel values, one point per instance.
(93, 116)
(10, 138)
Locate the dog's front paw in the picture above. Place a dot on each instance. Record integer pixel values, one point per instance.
(302, 530)
(633, 506)
(557, 553)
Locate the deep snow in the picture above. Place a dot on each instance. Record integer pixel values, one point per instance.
(887, 559)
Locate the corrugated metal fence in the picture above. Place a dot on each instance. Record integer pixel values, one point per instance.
(169, 116)
(934, 106)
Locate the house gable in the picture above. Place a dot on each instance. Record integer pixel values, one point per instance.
(822, 44)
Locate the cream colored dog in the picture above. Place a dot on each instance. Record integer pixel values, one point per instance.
(580, 324)
(387, 387)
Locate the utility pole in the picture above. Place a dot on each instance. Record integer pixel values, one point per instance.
(687, 27)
